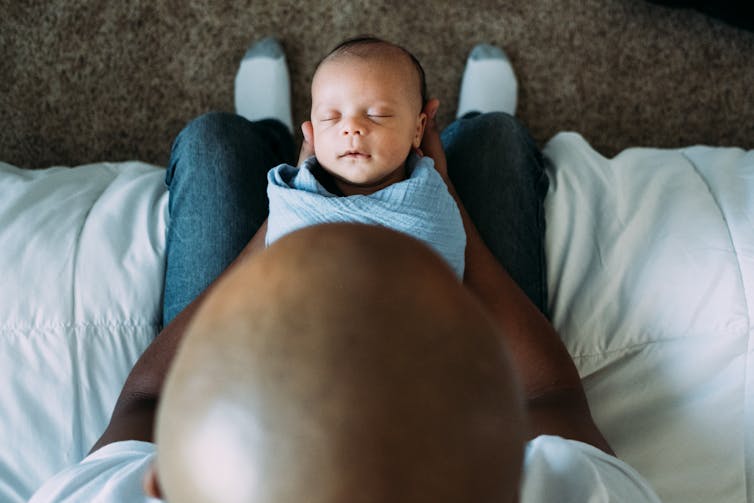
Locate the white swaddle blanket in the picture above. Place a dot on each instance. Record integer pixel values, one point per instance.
(419, 206)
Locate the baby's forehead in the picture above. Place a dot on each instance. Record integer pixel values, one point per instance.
(391, 59)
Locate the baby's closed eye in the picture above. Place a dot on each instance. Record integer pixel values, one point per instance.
(379, 117)
(379, 112)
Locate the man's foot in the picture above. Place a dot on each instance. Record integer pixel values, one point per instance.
(489, 83)
(263, 88)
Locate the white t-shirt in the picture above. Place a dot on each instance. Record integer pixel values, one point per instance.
(555, 469)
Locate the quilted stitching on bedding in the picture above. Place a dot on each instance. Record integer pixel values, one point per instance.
(82, 268)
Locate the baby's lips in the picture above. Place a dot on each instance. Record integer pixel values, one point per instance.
(354, 153)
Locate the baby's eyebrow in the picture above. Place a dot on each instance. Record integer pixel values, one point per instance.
(324, 108)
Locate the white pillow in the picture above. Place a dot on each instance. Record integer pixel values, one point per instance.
(651, 273)
(82, 266)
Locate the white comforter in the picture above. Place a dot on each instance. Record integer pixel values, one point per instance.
(651, 271)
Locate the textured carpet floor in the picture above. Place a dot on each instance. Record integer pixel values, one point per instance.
(94, 80)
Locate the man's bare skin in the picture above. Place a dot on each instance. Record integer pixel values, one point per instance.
(371, 374)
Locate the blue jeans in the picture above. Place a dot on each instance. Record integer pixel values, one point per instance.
(217, 178)
(499, 174)
(218, 196)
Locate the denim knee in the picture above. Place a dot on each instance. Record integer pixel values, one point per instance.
(210, 127)
(495, 130)
(200, 131)
(491, 120)
(222, 139)
(492, 140)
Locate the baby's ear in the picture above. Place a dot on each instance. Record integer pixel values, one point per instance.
(307, 146)
(307, 129)
(421, 124)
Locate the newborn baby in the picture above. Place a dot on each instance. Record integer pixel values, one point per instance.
(367, 123)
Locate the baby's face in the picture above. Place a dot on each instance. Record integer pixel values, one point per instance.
(366, 115)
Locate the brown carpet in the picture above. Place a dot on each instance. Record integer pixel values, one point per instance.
(93, 80)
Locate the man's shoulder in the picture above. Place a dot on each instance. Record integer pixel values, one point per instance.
(112, 473)
(558, 469)
(555, 469)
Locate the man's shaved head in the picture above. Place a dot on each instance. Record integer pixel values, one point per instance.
(345, 363)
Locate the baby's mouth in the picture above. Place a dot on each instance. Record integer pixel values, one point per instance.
(354, 154)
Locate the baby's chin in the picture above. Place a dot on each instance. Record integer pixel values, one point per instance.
(364, 183)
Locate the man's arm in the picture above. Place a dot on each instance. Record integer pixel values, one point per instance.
(134, 413)
(552, 387)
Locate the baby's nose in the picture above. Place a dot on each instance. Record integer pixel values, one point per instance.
(353, 126)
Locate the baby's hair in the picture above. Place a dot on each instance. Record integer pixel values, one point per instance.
(365, 45)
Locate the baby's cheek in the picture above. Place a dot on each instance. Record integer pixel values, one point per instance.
(320, 148)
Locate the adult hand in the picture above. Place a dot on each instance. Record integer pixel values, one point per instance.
(307, 146)
(431, 145)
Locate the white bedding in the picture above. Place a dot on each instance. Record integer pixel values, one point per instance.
(81, 264)
(651, 271)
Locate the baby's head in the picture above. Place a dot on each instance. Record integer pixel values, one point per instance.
(367, 114)
(299, 382)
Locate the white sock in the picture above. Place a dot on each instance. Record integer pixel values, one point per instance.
(263, 88)
(489, 83)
